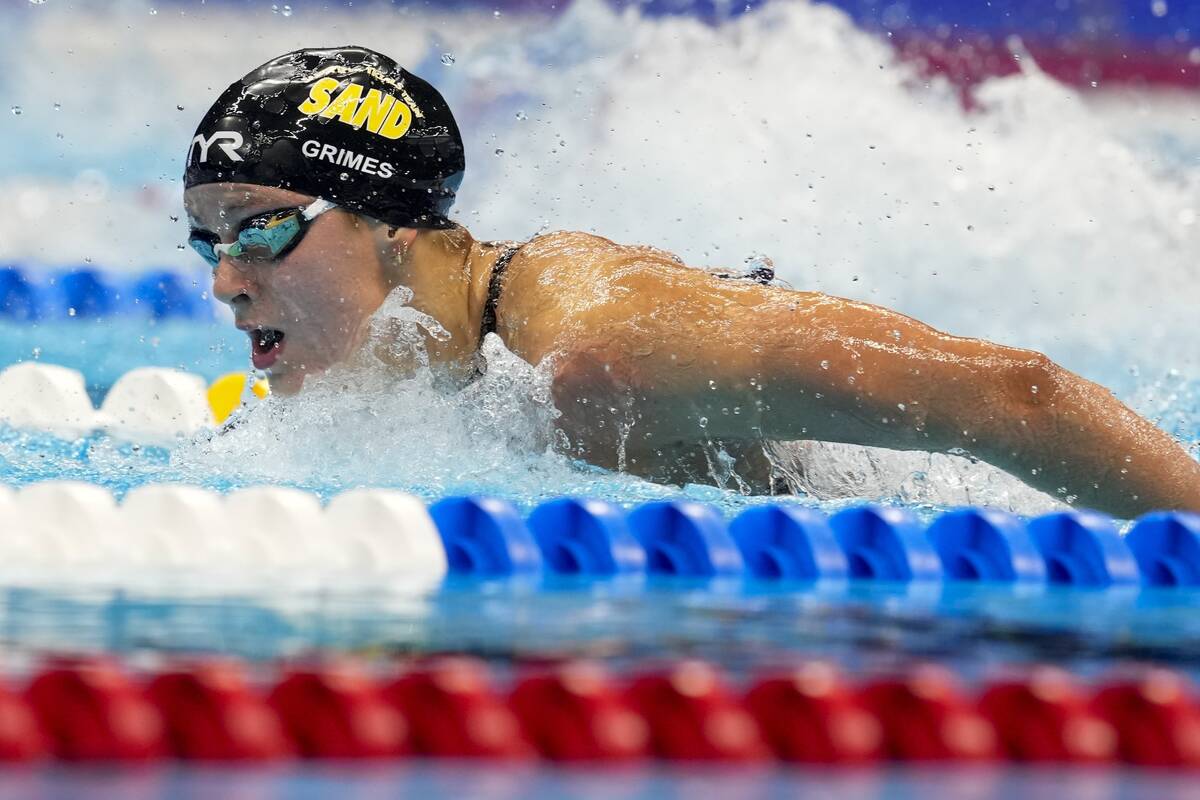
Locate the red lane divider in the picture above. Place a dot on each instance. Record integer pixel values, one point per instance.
(1157, 718)
(574, 712)
(449, 707)
(21, 736)
(927, 717)
(813, 714)
(212, 713)
(693, 715)
(340, 712)
(93, 711)
(454, 711)
(1047, 717)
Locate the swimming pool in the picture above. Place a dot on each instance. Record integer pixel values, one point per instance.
(1045, 218)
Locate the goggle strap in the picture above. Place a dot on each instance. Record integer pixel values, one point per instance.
(317, 208)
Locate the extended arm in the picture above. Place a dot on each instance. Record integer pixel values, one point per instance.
(668, 355)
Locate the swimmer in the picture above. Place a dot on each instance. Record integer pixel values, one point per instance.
(322, 180)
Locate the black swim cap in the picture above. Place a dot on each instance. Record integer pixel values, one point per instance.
(345, 124)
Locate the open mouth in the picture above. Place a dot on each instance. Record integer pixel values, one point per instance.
(265, 346)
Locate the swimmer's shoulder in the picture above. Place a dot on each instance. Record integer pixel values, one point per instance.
(562, 284)
(574, 252)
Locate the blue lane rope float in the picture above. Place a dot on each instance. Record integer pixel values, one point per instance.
(82, 293)
(87, 293)
(19, 300)
(686, 539)
(1166, 545)
(163, 294)
(1083, 548)
(485, 537)
(886, 543)
(984, 544)
(580, 536)
(789, 542)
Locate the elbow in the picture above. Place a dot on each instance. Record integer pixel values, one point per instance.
(1022, 405)
(1028, 383)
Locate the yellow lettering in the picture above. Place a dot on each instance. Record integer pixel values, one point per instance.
(318, 96)
(344, 106)
(373, 110)
(398, 120)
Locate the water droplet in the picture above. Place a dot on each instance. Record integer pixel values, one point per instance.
(703, 422)
(499, 152)
(58, 106)
(345, 176)
(58, 136)
(16, 110)
(36, 2)
(180, 247)
(824, 364)
(521, 115)
(71, 311)
(447, 58)
(1159, 8)
(154, 12)
(1033, 389)
(179, 108)
(174, 218)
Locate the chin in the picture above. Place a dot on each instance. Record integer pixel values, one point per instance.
(286, 382)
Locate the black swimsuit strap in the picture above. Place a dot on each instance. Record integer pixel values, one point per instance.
(488, 321)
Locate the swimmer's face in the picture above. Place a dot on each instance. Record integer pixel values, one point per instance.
(319, 296)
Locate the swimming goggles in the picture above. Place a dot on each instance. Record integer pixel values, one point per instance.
(264, 237)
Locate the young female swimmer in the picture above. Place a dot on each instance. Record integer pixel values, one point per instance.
(321, 181)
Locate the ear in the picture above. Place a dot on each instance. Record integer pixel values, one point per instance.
(395, 241)
(402, 236)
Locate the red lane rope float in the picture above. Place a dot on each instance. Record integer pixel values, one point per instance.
(693, 715)
(340, 712)
(21, 736)
(575, 712)
(454, 711)
(927, 717)
(1157, 718)
(1046, 716)
(93, 711)
(813, 714)
(213, 714)
(90, 710)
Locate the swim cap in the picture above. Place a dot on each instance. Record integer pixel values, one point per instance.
(345, 124)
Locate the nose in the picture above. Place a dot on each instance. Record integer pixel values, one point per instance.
(232, 285)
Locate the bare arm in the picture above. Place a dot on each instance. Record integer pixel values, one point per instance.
(666, 355)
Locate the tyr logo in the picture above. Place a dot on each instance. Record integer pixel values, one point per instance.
(232, 141)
